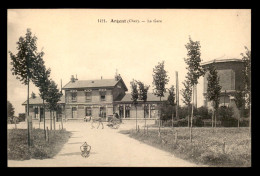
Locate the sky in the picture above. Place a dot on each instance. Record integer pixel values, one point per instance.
(75, 43)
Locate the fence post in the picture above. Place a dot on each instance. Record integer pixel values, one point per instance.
(15, 124)
(48, 134)
(176, 136)
(224, 146)
(147, 129)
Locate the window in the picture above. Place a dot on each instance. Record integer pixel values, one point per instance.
(127, 111)
(153, 112)
(146, 111)
(36, 112)
(74, 96)
(88, 96)
(74, 112)
(121, 111)
(102, 112)
(88, 111)
(103, 95)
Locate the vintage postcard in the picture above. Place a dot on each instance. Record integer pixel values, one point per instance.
(129, 87)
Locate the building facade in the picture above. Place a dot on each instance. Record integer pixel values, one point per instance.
(230, 79)
(97, 98)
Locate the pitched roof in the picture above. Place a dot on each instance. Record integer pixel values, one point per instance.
(38, 100)
(150, 97)
(92, 83)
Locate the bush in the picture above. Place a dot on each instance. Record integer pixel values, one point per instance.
(203, 113)
(21, 117)
(232, 122)
(225, 113)
(198, 122)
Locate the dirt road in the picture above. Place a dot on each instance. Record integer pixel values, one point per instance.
(109, 149)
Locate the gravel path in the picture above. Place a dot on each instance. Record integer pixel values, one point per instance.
(109, 149)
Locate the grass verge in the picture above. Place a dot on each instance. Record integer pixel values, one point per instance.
(224, 147)
(18, 148)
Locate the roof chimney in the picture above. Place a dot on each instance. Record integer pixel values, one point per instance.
(72, 79)
(76, 77)
(101, 77)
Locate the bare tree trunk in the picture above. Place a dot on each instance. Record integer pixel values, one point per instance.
(144, 116)
(61, 121)
(54, 120)
(240, 113)
(216, 118)
(28, 114)
(160, 116)
(188, 116)
(192, 113)
(50, 120)
(136, 117)
(213, 115)
(249, 118)
(172, 120)
(44, 120)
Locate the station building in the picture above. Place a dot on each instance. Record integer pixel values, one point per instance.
(97, 98)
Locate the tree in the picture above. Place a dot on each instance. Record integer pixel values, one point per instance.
(10, 111)
(134, 98)
(195, 70)
(213, 90)
(186, 94)
(247, 81)
(160, 79)
(52, 98)
(23, 66)
(171, 99)
(42, 82)
(240, 102)
(142, 94)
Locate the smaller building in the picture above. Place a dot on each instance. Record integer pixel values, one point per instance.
(230, 79)
(36, 109)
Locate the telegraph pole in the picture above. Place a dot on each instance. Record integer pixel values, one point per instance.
(177, 95)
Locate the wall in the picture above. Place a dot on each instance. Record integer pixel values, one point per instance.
(81, 98)
(230, 73)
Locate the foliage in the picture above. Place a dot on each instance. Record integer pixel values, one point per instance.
(41, 79)
(202, 112)
(167, 111)
(160, 79)
(18, 148)
(239, 99)
(247, 69)
(25, 62)
(10, 109)
(53, 96)
(171, 96)
(226, 116)
(21, 117)
(134, 92)
(213, 89)
(142, 91)
(207, 147)
(186, 92)
(195, 70)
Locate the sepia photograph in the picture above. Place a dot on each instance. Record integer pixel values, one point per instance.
(129, 88)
